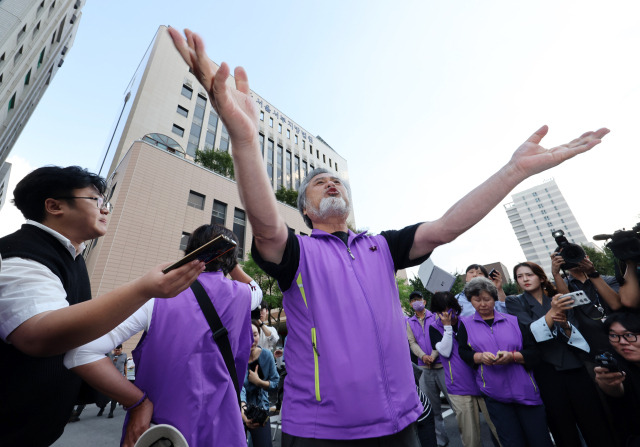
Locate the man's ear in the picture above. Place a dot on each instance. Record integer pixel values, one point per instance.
(53, 207)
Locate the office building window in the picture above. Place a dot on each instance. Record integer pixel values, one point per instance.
(18, 54)
(279, 128)
(288, 170)
(182, 111)
(270, 160)
(41, 58)
(305, 169)
(270, 122)
(261, 115)
(196, 200)
(336, 167)
(40, 8)
(27, 78)
(212, 128)
(329, 162)
(187, 91)
(224, 139)
(12, 101)
(296, 172)
(304, 145)
(295, 138)
(239, 225)
(35, 30)
(279, 181)
(318, 154)
(196, 126)
(219, 213)
(184, 239)
(22, 32)
(288, 134)
(61, 28)
(324, 158)
(177, 130)
(261, 138)
(311, 149)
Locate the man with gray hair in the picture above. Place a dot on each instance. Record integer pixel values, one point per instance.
(349, 374)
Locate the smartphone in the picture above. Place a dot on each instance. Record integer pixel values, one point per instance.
(606, 360)
(491, 273)
(579, 298)
(208, 252)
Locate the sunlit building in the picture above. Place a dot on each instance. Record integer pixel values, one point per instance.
(35, 37)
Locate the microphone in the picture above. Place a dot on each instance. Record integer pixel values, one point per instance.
(602, 237)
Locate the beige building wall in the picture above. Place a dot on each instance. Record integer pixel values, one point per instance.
(35, 36)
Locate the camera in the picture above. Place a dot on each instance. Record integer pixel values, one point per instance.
(606, 360)
(571, 253)
(625, 244)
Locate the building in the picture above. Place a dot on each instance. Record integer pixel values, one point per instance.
(160, 194)
(35, 36)
(534, 214)
(5, 171)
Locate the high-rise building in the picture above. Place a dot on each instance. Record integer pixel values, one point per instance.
(534, 214)
(35, 36)
(160, 195)
(5, 170)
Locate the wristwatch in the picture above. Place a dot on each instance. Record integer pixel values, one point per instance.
(594, 274)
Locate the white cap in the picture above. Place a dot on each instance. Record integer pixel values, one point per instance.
(167, 434)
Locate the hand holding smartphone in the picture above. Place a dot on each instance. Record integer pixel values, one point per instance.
(208, 252)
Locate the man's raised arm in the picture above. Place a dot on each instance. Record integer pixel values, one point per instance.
(529, 159)
(239, 114)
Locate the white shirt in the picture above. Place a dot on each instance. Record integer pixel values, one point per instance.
(28, 288)
(268, 342)
(139, 321)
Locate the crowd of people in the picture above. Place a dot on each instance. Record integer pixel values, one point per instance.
(206, 368)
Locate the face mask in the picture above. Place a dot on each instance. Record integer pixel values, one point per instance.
(418, 305)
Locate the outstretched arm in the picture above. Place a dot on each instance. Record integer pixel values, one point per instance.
(529, 159)
(57, 331)
(240, 116)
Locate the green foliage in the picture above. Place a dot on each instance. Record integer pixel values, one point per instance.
(511, 288)
(604, 261)
(218, 161)
(288, 196)
(270, 291)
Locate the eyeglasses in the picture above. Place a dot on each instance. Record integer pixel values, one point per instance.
(100, 202)
(615, 338)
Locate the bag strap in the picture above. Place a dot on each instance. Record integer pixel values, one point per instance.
(220, 333)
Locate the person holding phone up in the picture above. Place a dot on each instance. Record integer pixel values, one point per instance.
(569, 395)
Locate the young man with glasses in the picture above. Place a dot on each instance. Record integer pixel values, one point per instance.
(45, 299)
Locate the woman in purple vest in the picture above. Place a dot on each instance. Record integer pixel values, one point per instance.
(261, 377)
(181, 376)
(464, 394)
(501, 352)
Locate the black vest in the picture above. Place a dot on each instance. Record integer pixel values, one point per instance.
(37, 394)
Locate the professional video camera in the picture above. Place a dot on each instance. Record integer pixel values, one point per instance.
(625, 244)
(571, 253)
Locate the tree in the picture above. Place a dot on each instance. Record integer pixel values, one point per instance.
(288, 196)
(511, 288)
(217, 161)
(270, 291)
(603, 261)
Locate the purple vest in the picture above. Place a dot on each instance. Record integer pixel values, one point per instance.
(422, 335)
(459, 377)
(180, 366)
(349, 369)
(510, 383)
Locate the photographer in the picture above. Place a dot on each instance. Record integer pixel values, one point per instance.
(622, 387)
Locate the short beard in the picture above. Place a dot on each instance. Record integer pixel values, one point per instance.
(330, 207)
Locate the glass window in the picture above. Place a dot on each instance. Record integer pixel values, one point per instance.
(27, 78)
(61, 28)
(270, 122)
(288, 134)
(187, 91)
(182, 111)
(219, 213)
(18, 54)
(224, 139)
(288, 169)
(239, 225)
(177, 130)
(22, 32)
(36, 29)
(196, 200)
(279, 181)
(296, 172)
(261, 137)
(336, 166)
(41, 58)
(12, 102)
(305, 169)
(279, 128)
(212, 129)
(295, 138)
(184, 239)
(196, 126)
(261, 115)
(270, 160)
(318, 154)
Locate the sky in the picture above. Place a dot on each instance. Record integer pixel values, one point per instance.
(424, 99)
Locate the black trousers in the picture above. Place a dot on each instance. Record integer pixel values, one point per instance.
(571, 400)
(407, 437)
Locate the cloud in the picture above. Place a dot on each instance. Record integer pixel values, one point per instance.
(10, 217)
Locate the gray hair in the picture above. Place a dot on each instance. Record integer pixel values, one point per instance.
(302, 192)
(478, 285)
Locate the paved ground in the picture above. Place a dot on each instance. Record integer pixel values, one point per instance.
(96, 431)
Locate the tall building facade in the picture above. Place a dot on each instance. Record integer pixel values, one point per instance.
(534, 214)
(160, 195)
(35, 36)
